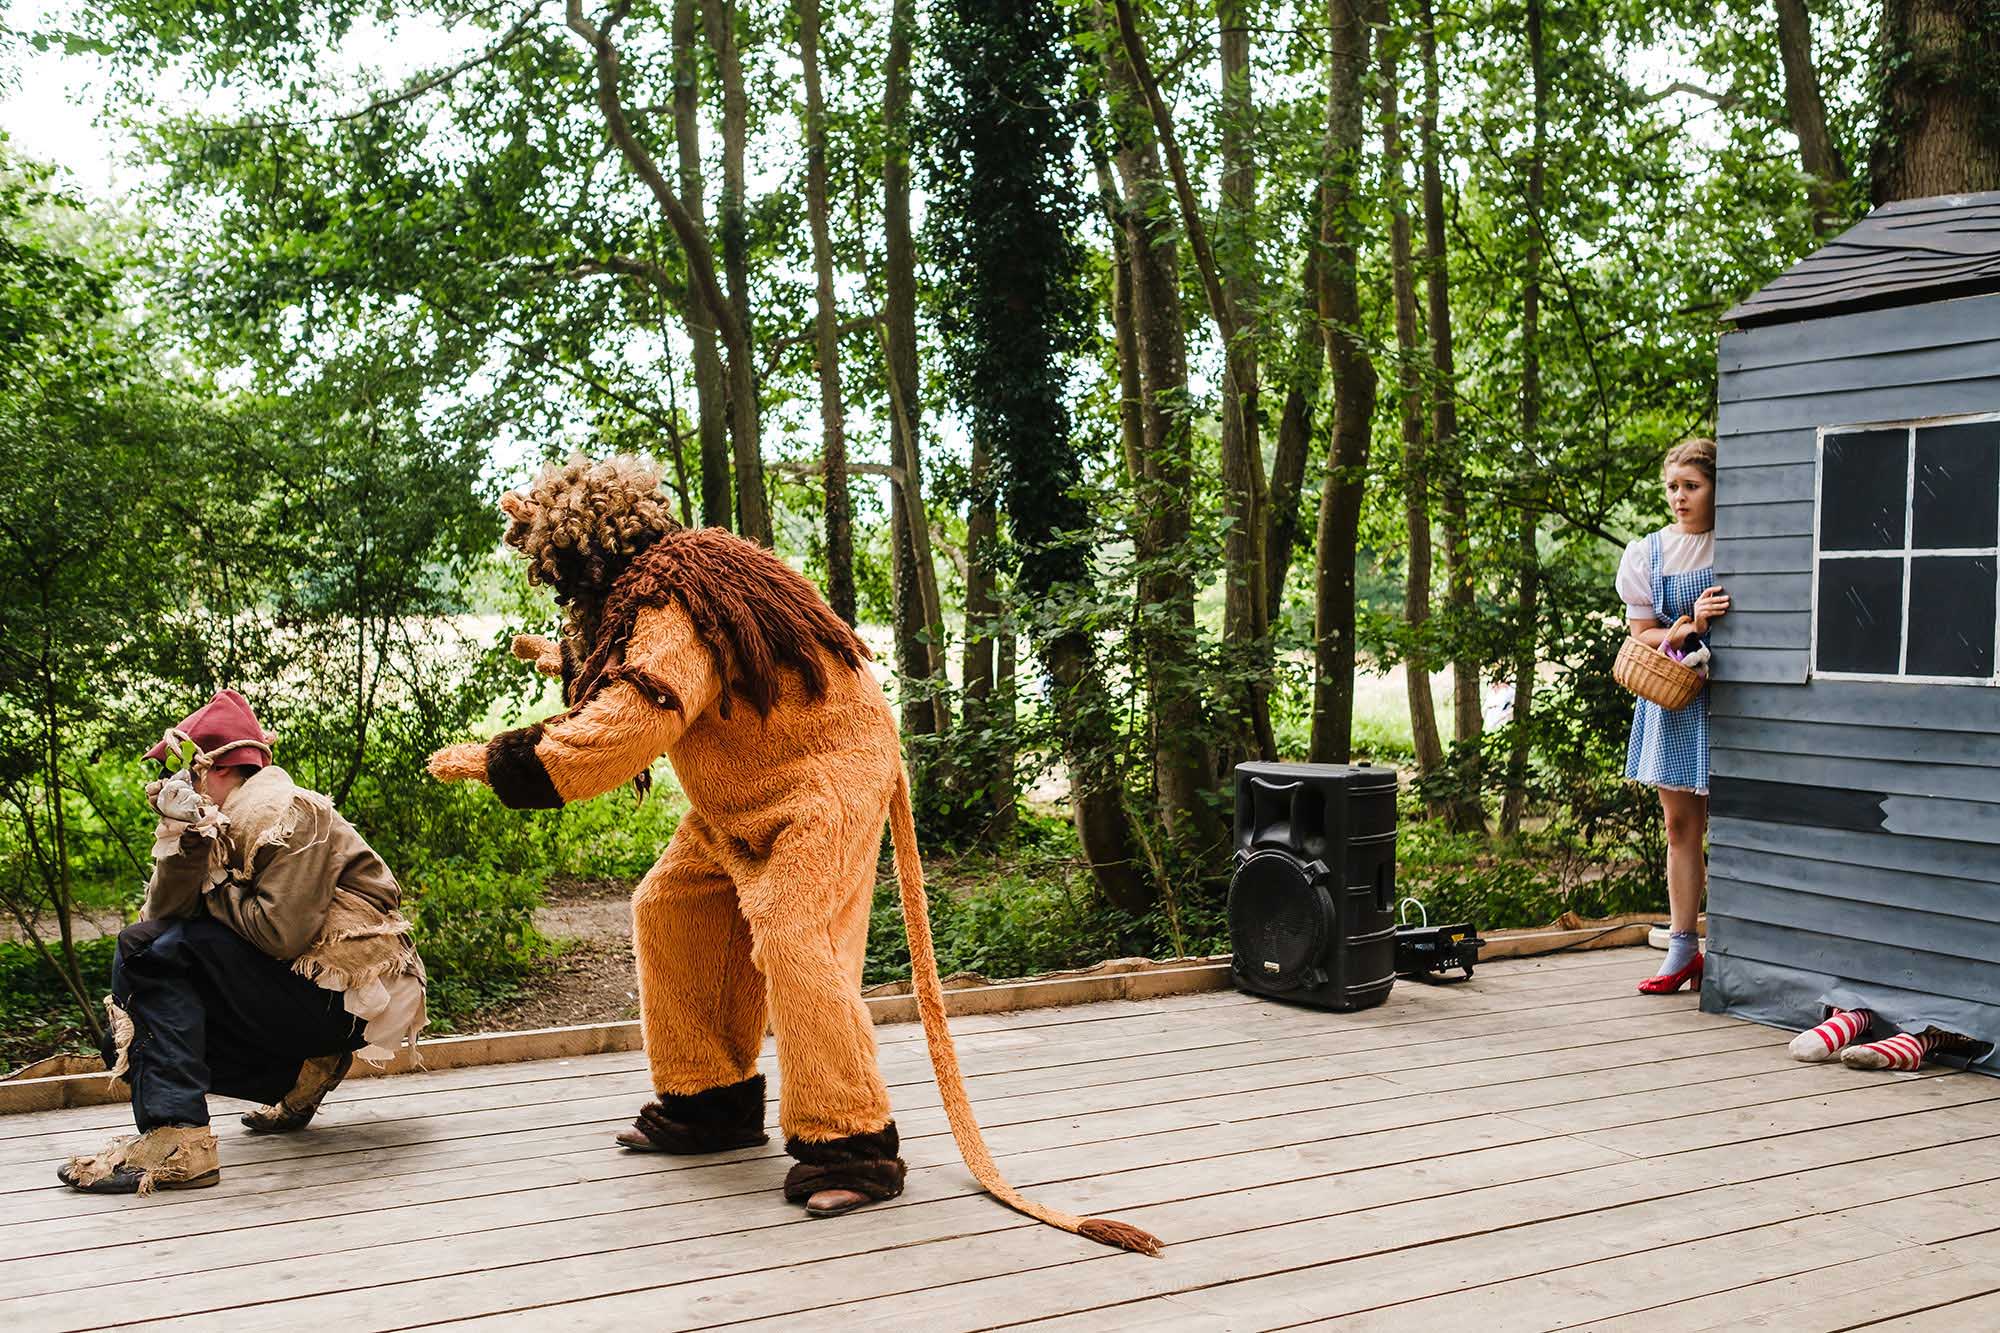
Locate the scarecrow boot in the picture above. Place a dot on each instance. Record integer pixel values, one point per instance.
(317, 1077)
(713, 1120)
(168, 1157)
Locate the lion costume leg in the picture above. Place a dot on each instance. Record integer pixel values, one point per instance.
(808, 911)
(701, 1003)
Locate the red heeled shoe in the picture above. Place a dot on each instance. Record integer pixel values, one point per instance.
(1669, 982)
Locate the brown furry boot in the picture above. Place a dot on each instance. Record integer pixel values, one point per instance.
(837, 1176)
(712, 1120)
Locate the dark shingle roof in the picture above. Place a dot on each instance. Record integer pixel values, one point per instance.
(1901, 254)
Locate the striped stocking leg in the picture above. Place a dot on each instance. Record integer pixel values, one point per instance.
(1902, 1051)
(1823, 1043)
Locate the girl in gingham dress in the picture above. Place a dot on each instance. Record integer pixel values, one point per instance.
(1663, 577)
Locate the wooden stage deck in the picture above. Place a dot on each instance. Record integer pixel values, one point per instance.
(1538, 1149)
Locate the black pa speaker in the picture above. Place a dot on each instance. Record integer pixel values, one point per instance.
(1311, 916)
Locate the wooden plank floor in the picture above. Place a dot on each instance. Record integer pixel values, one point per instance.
(1540, 1148)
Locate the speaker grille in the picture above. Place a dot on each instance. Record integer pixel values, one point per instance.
(1277, 920)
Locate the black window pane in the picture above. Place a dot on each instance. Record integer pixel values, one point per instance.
(1957, 496)
(1863, 485)
(1951, 616)
(1860, 615)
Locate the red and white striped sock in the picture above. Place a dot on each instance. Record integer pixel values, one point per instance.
(1824, 1042)
(1902, 1051)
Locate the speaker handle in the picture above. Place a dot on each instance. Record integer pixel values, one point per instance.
(1385, 884)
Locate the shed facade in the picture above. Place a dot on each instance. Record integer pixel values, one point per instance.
(1855, 733)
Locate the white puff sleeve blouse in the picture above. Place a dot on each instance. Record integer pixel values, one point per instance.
(1680, 552)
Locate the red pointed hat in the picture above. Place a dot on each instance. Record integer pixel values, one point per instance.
(226, 730)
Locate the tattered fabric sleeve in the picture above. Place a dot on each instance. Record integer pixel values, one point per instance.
(666, 681)
(282, 908)
(175, 888)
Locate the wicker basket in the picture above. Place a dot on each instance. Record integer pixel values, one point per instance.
(1653, 676)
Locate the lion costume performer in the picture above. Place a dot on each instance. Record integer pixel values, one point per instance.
(704, 647)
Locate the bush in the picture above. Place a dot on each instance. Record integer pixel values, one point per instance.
(38, 1016)
(475, 926)
(1030, 910)
(1528, 881)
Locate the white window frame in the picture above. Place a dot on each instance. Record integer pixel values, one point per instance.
(1906, 554)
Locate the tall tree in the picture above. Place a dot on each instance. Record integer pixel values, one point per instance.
(1008, 213)
(1410, 403)
(1819, 155)
(1245, 621)
(1162, 463)
(920, 631)
(710, 390)
(826, 331)
(1938, 131)
(1341, 212)
(1444, 420)
(753, 515)
(1303, 370)
(1527, 622)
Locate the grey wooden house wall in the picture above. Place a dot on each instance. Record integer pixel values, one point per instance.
(1855, 826)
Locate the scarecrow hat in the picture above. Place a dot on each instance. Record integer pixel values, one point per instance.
(226, 731)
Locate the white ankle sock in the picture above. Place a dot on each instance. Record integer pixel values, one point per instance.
(1682, 946)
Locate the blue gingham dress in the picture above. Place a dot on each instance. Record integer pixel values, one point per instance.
(1670, 749)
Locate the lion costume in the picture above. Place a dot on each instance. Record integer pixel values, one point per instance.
(704, 647)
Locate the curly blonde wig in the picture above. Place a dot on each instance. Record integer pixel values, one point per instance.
(580, 523)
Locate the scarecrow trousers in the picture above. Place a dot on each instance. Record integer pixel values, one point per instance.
(726, 943)
(211, 1012)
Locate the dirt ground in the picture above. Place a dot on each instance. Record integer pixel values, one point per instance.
(591, 979)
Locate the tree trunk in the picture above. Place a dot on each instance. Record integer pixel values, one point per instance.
(709, 389)
(1295, 428)
(752, 510)
(1244, 621)
(1353, 389)
(754, 518)
(981, 529)
(826, 332)
(1006, 815)
(1527, 623)
(1817, 152)
(988, 684)
(1939, 128)
(1164, 486)
(1446, 466)
(1410, 397)
(920, 635)
(1124, 331)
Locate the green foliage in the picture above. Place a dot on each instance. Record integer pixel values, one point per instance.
(475, 928)
(253, 438)
(1031, 910)
(1529, 882)
(1003, 229)
(37, 1015)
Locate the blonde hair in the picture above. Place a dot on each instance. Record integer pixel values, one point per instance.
(580, 523)
(1697, 451)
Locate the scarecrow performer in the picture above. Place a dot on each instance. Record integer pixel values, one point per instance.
(269, 955)
(711, 650)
